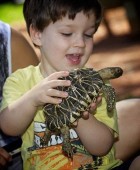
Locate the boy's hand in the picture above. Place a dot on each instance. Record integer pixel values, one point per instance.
(93, 107)
(46, 92)
(5, 158)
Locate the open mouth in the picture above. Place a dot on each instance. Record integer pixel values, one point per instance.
(74, 59)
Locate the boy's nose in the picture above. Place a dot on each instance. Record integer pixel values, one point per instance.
(79, 41)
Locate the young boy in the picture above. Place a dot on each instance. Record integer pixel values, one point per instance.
(63, 31)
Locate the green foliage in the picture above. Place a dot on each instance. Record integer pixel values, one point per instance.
(11, 13)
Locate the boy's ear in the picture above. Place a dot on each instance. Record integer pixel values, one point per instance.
(35, 35)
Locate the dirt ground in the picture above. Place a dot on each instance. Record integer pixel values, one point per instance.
(123, 51)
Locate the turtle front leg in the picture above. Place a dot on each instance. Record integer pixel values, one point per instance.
(110, 97)
(66, 145)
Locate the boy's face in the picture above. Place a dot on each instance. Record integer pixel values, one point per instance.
(67, 44)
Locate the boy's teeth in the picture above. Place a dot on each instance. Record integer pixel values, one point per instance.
(73, 57)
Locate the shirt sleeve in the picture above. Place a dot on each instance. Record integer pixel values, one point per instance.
(18, 83)
(14, 88)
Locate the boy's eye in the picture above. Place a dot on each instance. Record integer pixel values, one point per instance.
(89, 35)
(66, 34)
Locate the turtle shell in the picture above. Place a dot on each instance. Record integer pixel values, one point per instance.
(85, 87)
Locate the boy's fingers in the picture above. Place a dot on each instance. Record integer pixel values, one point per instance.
(5, 157)
(56, 93)
(49, 84)
(2, 162)
(60, 83)
(94, 105)
(85, 115)
(99, 99)
(57, 75)
(4, 154)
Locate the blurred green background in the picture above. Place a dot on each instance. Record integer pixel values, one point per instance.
(11, 13)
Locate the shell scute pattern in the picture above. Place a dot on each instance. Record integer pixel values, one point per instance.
(86, 85)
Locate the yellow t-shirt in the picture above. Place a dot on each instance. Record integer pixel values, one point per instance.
(38, 157)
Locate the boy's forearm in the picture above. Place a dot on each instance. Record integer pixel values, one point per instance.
(15, 118)
(95, 136)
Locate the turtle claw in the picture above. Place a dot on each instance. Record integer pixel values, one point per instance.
(68, 150)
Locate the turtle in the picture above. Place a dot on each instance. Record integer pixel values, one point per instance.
(86, 85)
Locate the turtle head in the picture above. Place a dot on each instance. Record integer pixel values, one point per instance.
(110, 72)
(117, 71)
